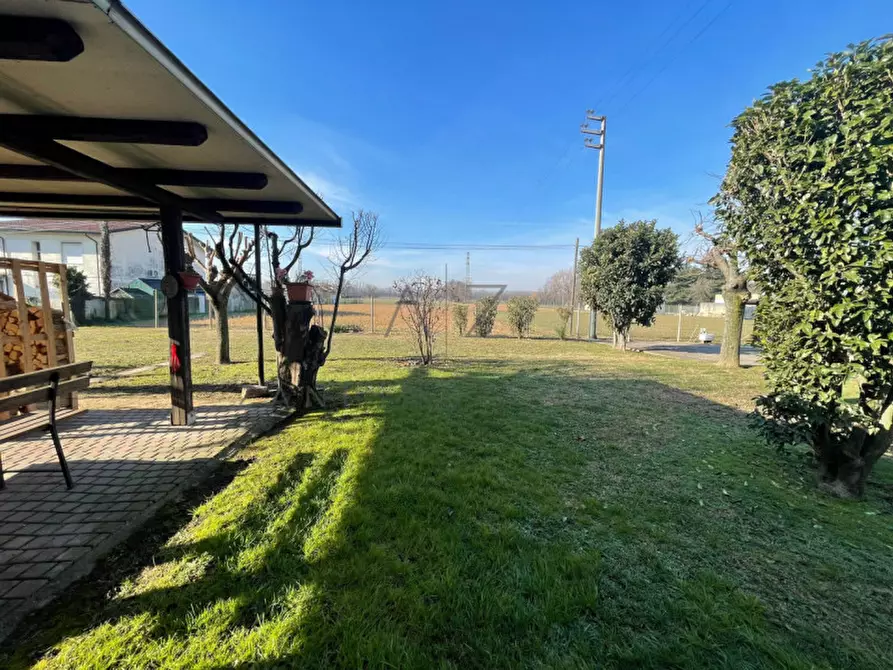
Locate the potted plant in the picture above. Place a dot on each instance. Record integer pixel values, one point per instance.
(190, 278)
(299, 291)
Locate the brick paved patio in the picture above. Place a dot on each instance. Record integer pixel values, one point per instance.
(125, 463)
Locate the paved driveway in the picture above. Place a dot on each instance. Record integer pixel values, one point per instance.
(750, 356)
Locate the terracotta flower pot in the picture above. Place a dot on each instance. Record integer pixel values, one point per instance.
(298, 291)
(190, 280)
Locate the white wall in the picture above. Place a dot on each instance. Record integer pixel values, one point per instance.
(134, 255)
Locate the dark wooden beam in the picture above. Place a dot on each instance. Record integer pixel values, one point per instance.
(38, 38)
(283, 221)
(91, 200)
(60, 156)
(251, 181)
(182, 413)
(90, 129)
(125, 215)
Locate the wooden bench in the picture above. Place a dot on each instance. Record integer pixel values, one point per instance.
(47, 386)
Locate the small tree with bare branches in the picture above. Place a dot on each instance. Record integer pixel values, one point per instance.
(424, 313)
(348, 253)
(219, 282)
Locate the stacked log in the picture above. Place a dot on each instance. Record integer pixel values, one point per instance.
(41, 337)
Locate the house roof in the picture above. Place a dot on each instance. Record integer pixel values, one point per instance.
(155, 284)
(62, 226)
(99, 120)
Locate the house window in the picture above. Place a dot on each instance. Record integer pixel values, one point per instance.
(73, 253)
(35, 251)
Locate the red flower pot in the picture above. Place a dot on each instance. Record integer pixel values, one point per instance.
(190, 280)
(298, 292)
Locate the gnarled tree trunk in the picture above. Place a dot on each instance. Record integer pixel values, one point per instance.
(621, 339)
(730, 351)
(844, 469)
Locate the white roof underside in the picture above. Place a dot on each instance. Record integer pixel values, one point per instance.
(126, 73)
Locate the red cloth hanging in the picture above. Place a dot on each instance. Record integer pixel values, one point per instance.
(175, 359)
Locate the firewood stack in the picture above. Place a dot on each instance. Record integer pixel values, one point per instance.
(11, 334)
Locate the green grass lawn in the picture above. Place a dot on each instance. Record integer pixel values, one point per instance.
(523, 504)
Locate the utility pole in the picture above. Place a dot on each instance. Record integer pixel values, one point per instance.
(468, 276)
(574, 289)
(590, 143)
(446, 296)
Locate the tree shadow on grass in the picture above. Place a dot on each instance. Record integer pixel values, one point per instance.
(494, 519)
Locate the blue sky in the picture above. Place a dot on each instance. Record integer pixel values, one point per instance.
(459, 122)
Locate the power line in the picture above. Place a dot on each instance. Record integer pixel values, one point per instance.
(618, 87)
(600, 104)
(476, 247)
(674, 58)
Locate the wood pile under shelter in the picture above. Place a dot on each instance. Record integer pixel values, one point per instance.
(41, 337)
(35, 336)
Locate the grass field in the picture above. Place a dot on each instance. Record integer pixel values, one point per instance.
(523, 504)
(665, 326)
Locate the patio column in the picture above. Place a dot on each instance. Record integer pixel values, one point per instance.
(182, 413)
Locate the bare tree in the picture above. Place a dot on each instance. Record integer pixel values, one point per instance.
(558, 289)
(348, 253)
(105, 266)
(284, 253)
(722, 254)
(219, 282)
(424, 313)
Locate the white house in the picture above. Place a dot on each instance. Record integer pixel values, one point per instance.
(135, 251)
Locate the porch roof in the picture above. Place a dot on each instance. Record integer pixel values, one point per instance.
(99, 120)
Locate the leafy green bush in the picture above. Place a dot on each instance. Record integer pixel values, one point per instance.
(520, 313)
(485, 315)
(460, 318)
(347, 328)
(565, 314)
(807, 197)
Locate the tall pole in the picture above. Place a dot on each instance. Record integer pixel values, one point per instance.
(259, 314)
(182, 413)
(468, 276)
(446, 325)
(599, 190)
(574, 288)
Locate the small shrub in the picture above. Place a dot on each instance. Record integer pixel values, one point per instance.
(565, 314)
(347, 328)
(460, 318)
(485, 315)
(521, 310)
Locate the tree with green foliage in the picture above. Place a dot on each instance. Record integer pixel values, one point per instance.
(76, 283)
(807, 196)
(460, 318)
(485, 315)
(565, 314)
(625, 272)
(520, 312)
(694, 284)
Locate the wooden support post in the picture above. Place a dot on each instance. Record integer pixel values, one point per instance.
(259, 314)
(48, 329)
(68, 321)
(182, 413)
(24, 331)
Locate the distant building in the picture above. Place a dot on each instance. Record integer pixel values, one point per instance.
(136, 251)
